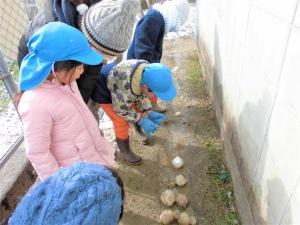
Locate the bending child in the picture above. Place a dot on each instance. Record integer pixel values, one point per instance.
(147, 43)
(124, 96)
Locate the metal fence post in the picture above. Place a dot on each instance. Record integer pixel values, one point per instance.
(7, 78)
(12, 89)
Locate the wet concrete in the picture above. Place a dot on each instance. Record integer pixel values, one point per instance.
(183, 135)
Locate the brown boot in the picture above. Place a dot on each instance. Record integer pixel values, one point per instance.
(140, 134)
(130, 156)
(158, 108)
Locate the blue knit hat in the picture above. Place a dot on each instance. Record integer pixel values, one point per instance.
(158, 78)
(84, 194)
(54, 42)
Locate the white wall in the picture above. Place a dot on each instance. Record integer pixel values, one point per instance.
(251, 55)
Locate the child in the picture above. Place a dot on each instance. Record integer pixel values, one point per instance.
(147, 43)
(59, 129)
(107, 25)
(83, 194)
(124, 94)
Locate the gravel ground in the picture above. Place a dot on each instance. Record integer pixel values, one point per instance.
(10, 128)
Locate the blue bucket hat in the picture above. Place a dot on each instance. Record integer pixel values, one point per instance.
(54, 42)
(83, 194)
(158, 78)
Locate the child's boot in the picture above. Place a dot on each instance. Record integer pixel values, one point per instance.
(130, 156)
(140, 134)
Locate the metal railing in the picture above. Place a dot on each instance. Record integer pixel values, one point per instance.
(30, 7)
(12, 89)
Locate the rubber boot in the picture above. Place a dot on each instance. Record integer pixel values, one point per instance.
(93, 107)
(140, 134)
(158, 108)
(130, 156)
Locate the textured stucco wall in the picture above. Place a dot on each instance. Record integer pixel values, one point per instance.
(13, 19)
(250, 51)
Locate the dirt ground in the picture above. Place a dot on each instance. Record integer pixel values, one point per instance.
(193, 136)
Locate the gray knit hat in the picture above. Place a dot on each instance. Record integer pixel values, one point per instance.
(108, 25)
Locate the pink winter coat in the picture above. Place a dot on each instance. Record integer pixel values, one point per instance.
(60, 130)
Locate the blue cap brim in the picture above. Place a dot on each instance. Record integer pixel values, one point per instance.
(167, 95)
(90, 57)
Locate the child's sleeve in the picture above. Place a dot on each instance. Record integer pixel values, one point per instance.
(37, 125)
(146, 38)
(126, 111)
(144, 103)
(106, 69)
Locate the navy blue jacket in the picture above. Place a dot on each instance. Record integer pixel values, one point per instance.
(148, 38)
(101, 94)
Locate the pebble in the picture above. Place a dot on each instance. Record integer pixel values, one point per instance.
(11, 128)
(180, 180)
(178, 113)
(176, 214)
(168, 197)
(166, 217)
(181, 200)
(193, 220)
(177, 162)
(184, 219)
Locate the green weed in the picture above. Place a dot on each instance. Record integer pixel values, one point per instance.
(232, 218)
(194, 74)
(14, 70)
(221, 189)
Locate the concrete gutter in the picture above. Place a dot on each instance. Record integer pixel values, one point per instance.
(16, 176)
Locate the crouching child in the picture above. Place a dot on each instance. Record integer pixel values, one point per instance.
(124, 96)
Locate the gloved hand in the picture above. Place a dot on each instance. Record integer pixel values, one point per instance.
(156, 117)
(148, 126)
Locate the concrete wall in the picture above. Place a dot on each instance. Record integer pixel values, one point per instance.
(13, 19)
(250, 50)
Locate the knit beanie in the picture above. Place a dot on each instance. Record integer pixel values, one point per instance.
(175, 13)
(108, 25)
(83, 194)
